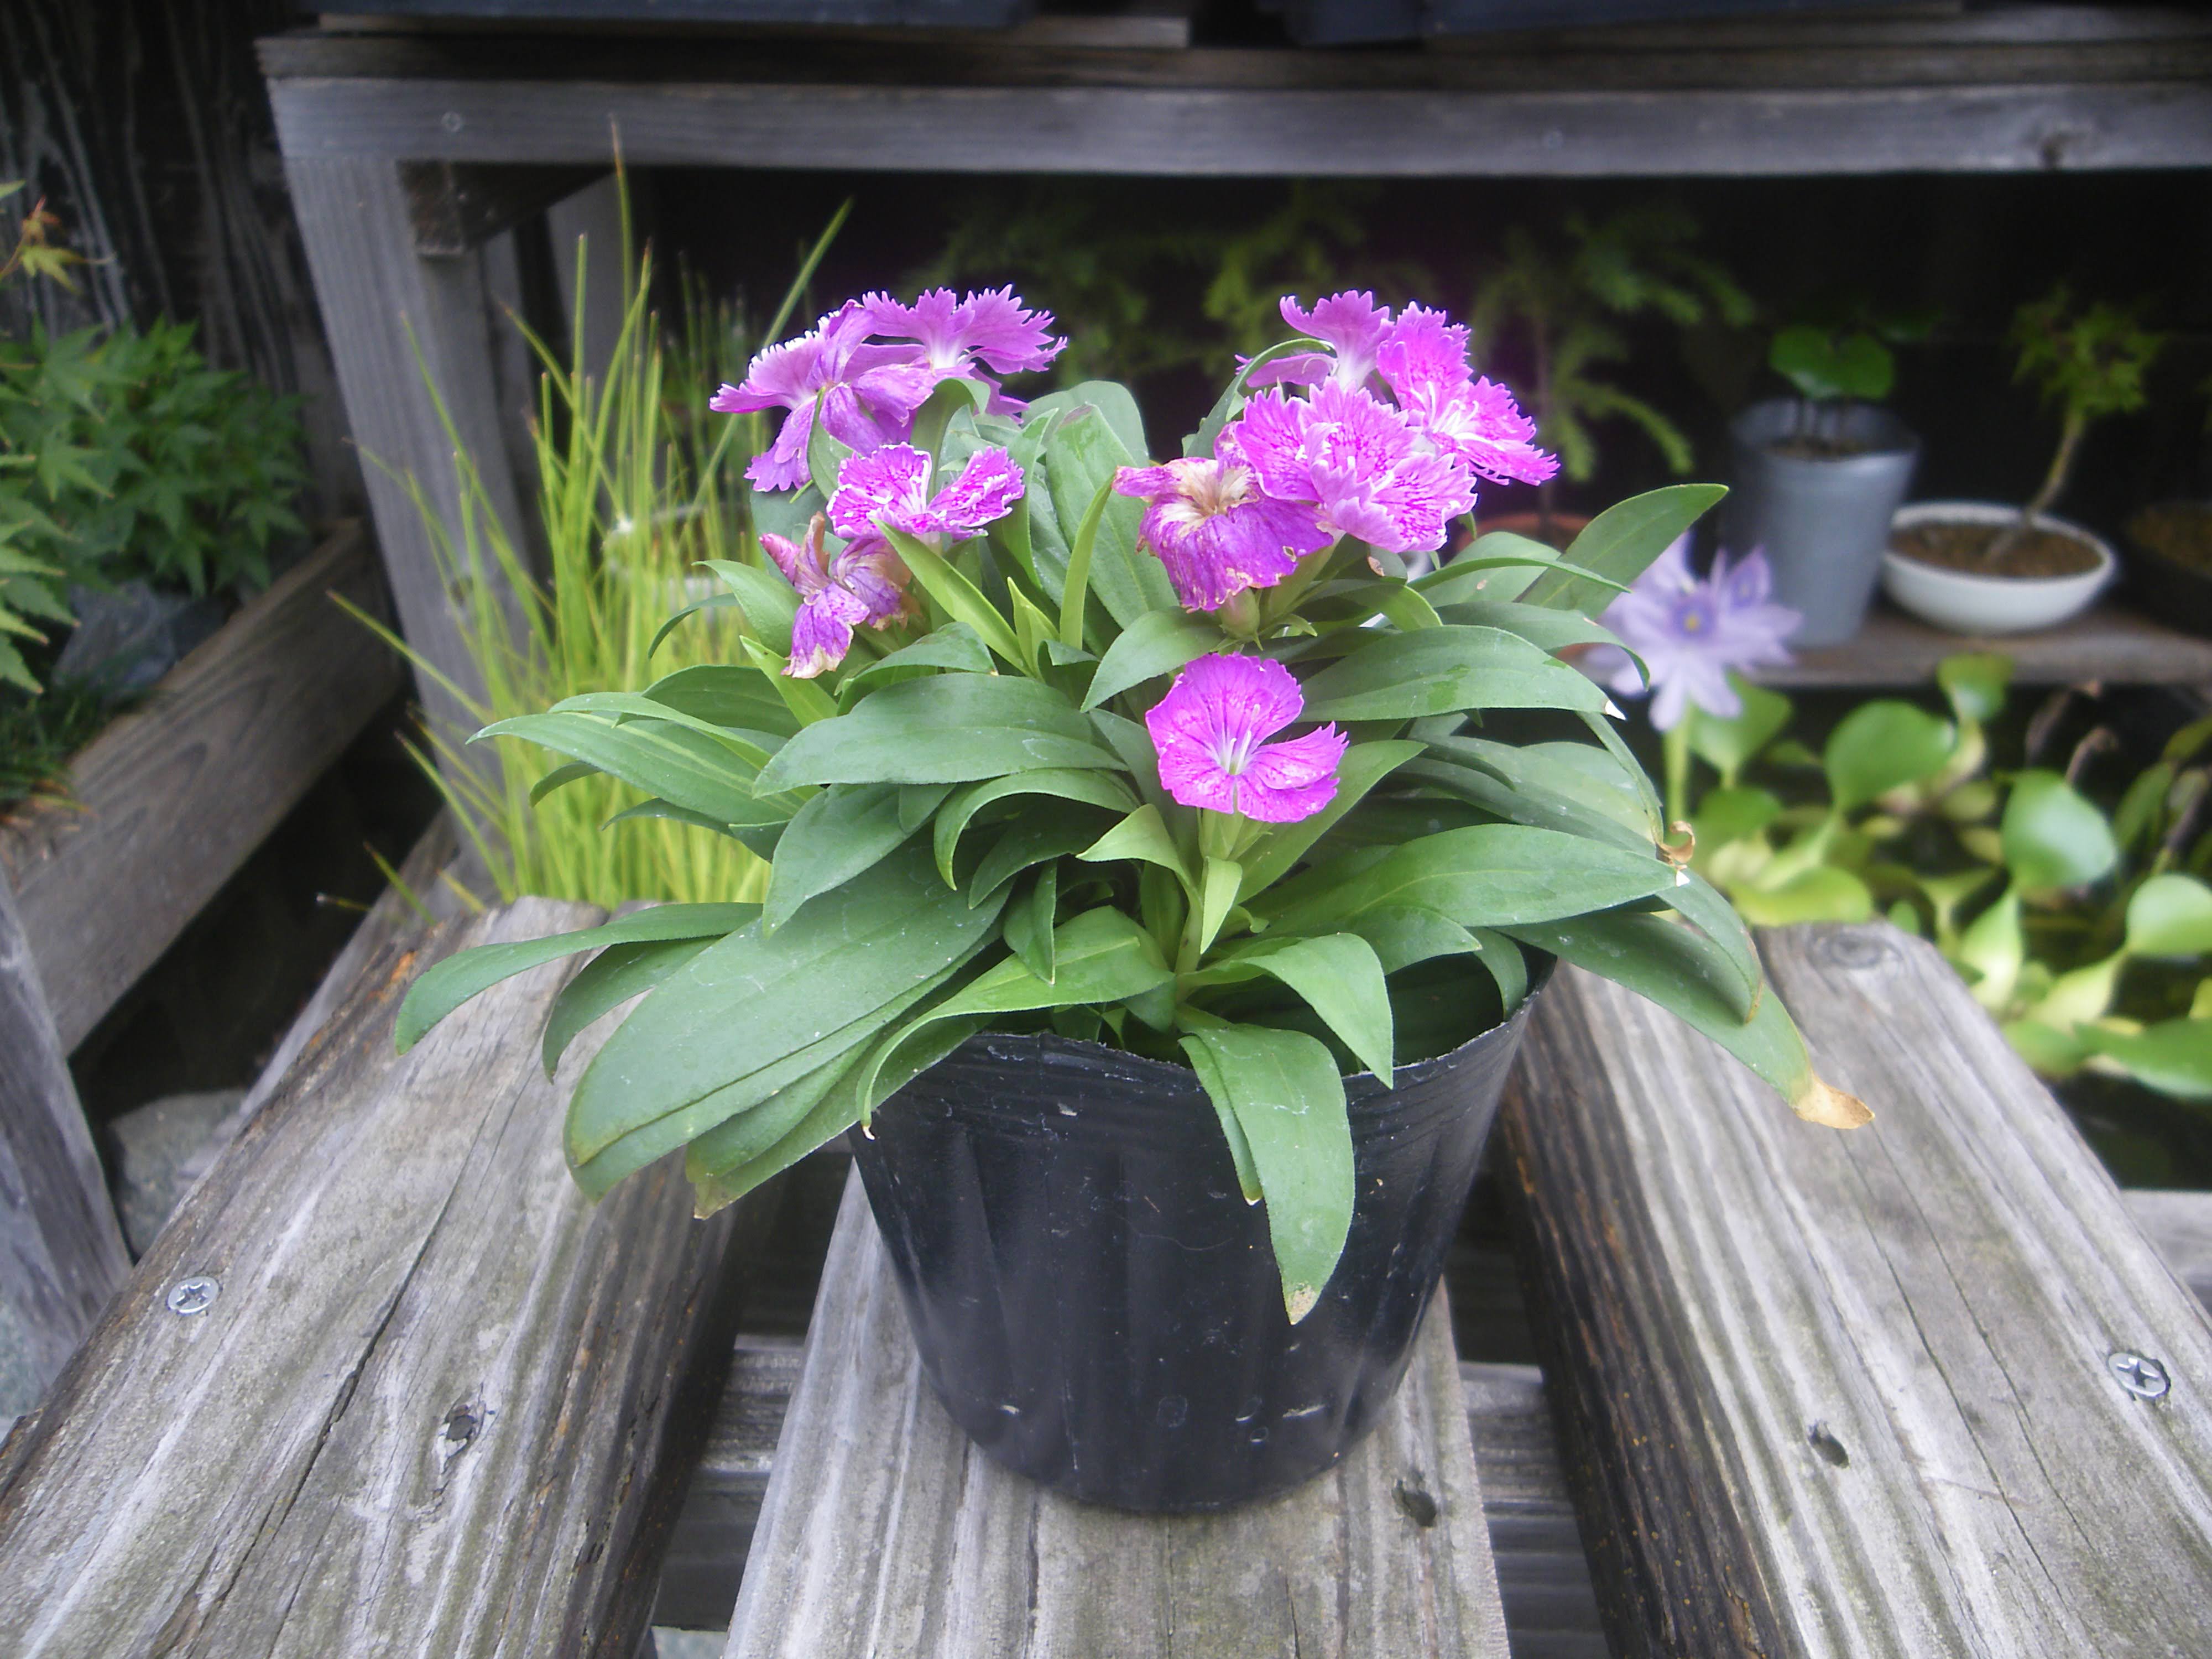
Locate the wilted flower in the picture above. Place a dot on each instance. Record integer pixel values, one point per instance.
(1358, 461)
(1216, 533)
(891, 485)
(864, 395)
(863, 583)
(1691, 633)
(1209, 733)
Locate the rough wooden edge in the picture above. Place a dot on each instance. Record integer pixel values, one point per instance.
(170, 800)
(2180, 1224)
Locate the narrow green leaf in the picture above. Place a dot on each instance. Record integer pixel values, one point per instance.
(571, 772)
(1092, 788)
(1364, 766)
(1339, 976)
(446, 986)
(949, 728)
(1053, 832)
(692, 771)
(1028, 925)
(1141, 835)
(806, 700)
(769, 603)
(1158, 642)
(958, 596)
(1077, 593)
(1441, 670)
(1621, 541)
(842, 831)
(955, 646)
(607, 981)
(734, 695)
(1217, 897)
(1283, 1088)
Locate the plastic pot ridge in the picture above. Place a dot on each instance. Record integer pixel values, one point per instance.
(1098, 1307)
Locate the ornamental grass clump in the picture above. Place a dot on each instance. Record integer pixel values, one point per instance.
(1041, 733)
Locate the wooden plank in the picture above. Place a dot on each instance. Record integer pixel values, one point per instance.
(885, 1532)
(2179, 1227)
(61, 1249)
(1824, 1394)
(455, 209)
(401, 324)
(1235, 132)
(439, 1402)
(170, 800)
(1550, 1612)
(2110, 643)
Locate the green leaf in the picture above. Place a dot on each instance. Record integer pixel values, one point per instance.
(1283, 1089)
(1051, 832)
(694, 772)
(1542, 627)
(807, 702)
(1142, 835)
(1217, 897)
(1731, 815)
(1587, 777)
(1158, 642)
(1029, 922)
(1364, 766)
(1442, 670)
(1621, 541)
(955, 646)
(736, 696)
(1083, 452)
(1402, 935)
(1339, 976)
(607, 981)
(1490, 875)
(842, 831)
(1682, 971)
(1728, 745)
(950, 728)
(2170, 915)
(1102, 789)
(1823, 893)
(1881, 745)
(725, 1162)
(757, 1010)
(446, 986)
(918, 802)
(1101, 956)
(573, 772)
(2053, 836)
(825, 457)
(1077, 593)
(957, 596)
(2173, 1057)
(1992, 950)
(768, 602)
(1975, 681)
(1499, 565)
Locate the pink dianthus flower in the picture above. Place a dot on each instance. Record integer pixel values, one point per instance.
(1359, 462)
(1208, 523)
(1210, 731)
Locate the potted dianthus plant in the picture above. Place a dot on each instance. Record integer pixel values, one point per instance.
(1985, 567)
(1159, 883)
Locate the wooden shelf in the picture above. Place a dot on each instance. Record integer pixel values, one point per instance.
(2110, 643)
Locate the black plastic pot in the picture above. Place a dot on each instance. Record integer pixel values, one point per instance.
(1098, 1308)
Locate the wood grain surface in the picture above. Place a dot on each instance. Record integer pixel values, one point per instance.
(169, 801)
(1828, 1394)
(61, 1252)
(439, 1404)
(885, 1532)
(2111, 644)
(2179, 1227)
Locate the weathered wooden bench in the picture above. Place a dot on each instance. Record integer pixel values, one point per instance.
(388, 1384)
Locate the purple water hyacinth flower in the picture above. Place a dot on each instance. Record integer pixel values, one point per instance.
(1425, 364)
(1361, 463)
(1692, 632)
(1206, 521)
(864, 582)
(865, 396)
(992, 327)
(891, 485)
(1351, 325)
(1211, 729)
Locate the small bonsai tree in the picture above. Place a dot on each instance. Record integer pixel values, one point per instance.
(2089, 363)
(1562, 298)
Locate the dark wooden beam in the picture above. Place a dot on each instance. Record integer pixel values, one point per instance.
(456, 207)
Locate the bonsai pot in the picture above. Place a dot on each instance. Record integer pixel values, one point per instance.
(2169, 563)
(1098, 1308)
(1970, 601)
(1822, 517)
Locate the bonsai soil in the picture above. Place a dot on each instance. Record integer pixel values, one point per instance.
(1960, 547)
(1810, 446)
(2180, 532)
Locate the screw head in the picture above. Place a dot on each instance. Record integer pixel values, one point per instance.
(195, 1295)
(2145, 1378)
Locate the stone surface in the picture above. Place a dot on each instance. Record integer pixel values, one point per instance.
(159, 1150)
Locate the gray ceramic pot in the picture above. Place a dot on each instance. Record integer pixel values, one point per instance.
(1823, 523)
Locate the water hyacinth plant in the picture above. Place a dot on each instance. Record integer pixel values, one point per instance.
(1041, 733)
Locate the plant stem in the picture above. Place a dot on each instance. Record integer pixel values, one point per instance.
(1676, 744)
(2054, 483)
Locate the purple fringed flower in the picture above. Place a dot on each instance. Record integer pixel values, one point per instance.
(1217, 534)
(891, 485)
(1425, 364)
(1209, 733)
(1691, 633)
(863, 583)
(1353, 327)
(992, 327)
(864, 395)
(1359, 462)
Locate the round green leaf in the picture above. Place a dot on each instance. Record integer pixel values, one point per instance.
(1729, 745)
(1881, 745)
(1975, 682)
(2053, 836)
(2170, 915)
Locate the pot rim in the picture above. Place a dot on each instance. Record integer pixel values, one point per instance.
(1910, 446)
(1966, 512)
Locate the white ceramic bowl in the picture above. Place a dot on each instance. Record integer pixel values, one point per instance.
(1969, 604)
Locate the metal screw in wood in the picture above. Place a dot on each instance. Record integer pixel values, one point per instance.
(2144, 1378)
(194, 1295)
